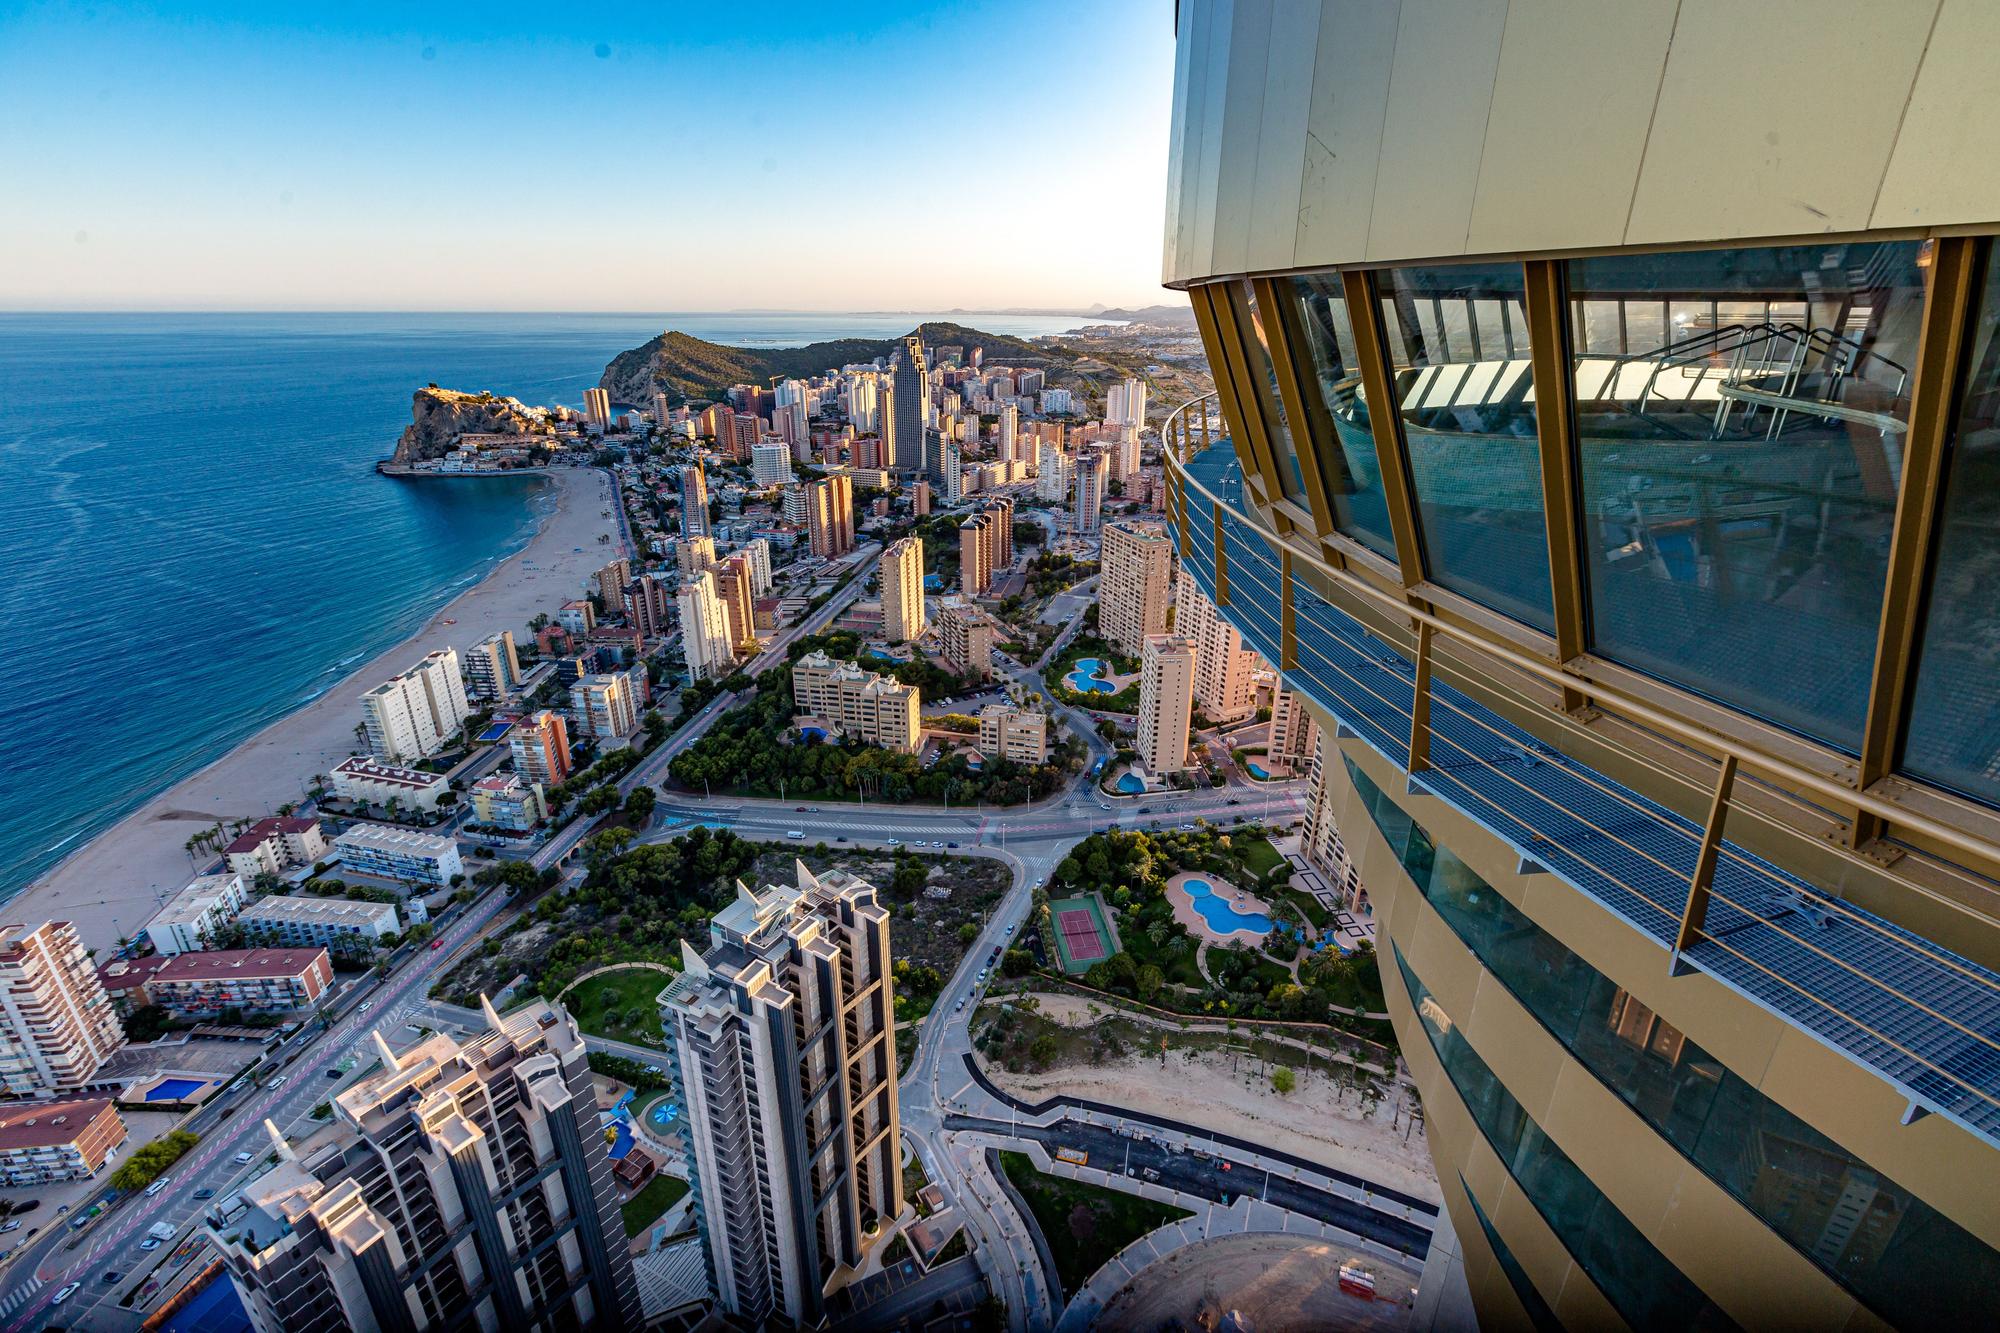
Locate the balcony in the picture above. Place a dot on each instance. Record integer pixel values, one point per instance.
(1912, 1013)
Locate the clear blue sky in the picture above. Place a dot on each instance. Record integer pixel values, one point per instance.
(662, 156)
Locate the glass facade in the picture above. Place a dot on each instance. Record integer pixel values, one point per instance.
(1740, 424)
(1353, 474)
(1640, 1282)
(1457, 343)
(1540, 1316)
(1270, 402)
(1898, 1255)
(1954, 731)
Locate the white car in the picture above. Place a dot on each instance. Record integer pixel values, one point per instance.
(156, 1187)
(364, 1006)
(245, 1158)
(1009, 932)
(14, 1225)
(278, 1082)
(895, 842)
(66, 1293)
(796, 833)
(150, 1244)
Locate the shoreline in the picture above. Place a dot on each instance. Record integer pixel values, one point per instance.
(113, 884)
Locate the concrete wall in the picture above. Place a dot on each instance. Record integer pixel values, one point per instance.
(1368, 131)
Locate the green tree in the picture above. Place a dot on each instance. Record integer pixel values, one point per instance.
(1283, 1080)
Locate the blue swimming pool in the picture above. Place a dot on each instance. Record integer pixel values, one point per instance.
(812, 733)
(618, 1125)
(496, 731)
(879, 655)
(174, 1089)
(1086, 677)
(1221, 917)
(1129, 784)
(1257, 770)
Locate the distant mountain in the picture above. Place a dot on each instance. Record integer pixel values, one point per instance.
(1152, 314)
(683, 366)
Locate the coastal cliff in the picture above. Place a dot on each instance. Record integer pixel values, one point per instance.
(438, 417)
(683, 366)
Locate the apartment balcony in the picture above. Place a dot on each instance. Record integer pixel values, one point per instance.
(1920, 1017)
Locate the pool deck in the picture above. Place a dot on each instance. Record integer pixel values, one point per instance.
(1182, 901)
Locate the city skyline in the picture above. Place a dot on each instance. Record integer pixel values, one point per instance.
(372, 161)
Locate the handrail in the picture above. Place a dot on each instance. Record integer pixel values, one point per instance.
(1782, 772)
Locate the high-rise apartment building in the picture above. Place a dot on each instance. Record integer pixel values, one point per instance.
(841, 697)
(1019, 735)
(951, 471)
(1010, 421)
(770, 464)
(1092, 476)
(1656, 445)
(1135, 574)
(597, 408)
(1294, 730)
(611, 579)
(705, 637)
(903, 591)
(907, 409)
(694, 501)
(1053, 472)
(967, 636)
(663, 411)
(647, 608)
(694, 554)
(975, 555)
(1166, 702)
(785, 1067)
(758, 552)
(461, 1186)
(604, 706)
(1225, 683)
(733, 584)
(830, 515)
(920, 497)
(862, 407)
(492, 667)
(56, 1023)
(411, 716)
(540, 745)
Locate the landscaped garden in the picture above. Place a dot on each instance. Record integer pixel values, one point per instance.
(651, 1202)
(1084, 1224)
(1108, 661)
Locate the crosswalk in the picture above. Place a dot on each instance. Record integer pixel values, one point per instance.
(20, 1296)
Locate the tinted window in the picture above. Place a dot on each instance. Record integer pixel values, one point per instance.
(1347, 462)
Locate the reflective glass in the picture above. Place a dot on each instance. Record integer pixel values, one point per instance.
(1893, 1250)
(1353, 474)
(1641, 1283)
(1954, 733)
(1457, 340)
(1740, 450)
(1540, 1316)
(1264, 374)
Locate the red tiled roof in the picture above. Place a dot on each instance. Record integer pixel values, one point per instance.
(267, 828)
(238, 964)
(48, 1124)
(125, 973)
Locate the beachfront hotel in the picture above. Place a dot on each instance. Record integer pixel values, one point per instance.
(412, 716)
(1604, 451)
(1136, 574)
(784, 1063)
(192, 918)
(540, 745)
(56, 1023)
(1166, 703)
(368, 781)
(401, 854)
(850, 703)
(272, 846)
(461, 1186)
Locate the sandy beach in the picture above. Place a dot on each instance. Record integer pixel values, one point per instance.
(113, 885)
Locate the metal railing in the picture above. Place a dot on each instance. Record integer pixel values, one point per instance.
(1259, 585)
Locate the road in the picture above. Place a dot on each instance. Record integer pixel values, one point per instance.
(230, 1124)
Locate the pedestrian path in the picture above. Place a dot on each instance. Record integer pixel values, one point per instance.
(20, 1296)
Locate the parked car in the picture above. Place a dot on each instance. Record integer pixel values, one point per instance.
(113, 1276)
(10, 1226)
(204, 1194)
(334, 1072)
(245, 1158)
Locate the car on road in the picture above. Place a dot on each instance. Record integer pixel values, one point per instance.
(204, 1194)
(437, 944)
(1187, 828)
(982, 974)
(156, 1186)
(278, 1082)
(951, 844)
(334, 1072)
(895, 842)
(364, 1006)
(801, 810)
(1009, 932)
(796, 833)
(66, 1293)
(959, 1008)
(245, 1158)
(113, 1276)
(150, 1244)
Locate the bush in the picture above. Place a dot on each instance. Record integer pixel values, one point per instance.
(151, 1162)
(625, 1071)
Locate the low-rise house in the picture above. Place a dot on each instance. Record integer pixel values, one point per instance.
(373, 782)
(1017, 734)
(42, 1142)
(124, 980)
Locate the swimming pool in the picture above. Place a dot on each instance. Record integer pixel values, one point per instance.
(1129, 784)
(812, 733)
(1221, 917)
(1086, 677)
(1257, 770)
(496, 731)
(622, 1144)
(174, 1089)
(881, 656)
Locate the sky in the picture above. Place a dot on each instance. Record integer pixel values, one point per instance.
(719, 155)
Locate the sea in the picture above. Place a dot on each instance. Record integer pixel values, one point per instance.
(194, 542)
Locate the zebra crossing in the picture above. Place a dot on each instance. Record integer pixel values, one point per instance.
(20, 1295)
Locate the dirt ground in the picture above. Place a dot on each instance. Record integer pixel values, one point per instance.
(1319, 1120)
(1274, 1284)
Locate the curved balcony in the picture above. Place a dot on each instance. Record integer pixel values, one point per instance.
(1914, 1014)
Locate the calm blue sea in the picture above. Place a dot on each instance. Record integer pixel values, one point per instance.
(193, 541)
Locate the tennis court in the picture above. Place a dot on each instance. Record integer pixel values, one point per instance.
(1082, 935)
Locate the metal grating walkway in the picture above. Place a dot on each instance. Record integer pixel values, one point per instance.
(1916, 1015)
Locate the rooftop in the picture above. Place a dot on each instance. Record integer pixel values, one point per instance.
(239, 964)
(265, 829)
(382, 838)
(286, 907)
(48, 1124)
(374, 770)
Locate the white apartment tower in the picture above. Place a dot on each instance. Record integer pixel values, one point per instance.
(705, 629)
(458, 1187)
(1053, 472)
(1224, 678)
(770, 464)
(758, 553)
(597, 408)
(410, 717)
(1125, 405)
(56, 1023)
(493, 667)
(1136, 573)
(903, 591)
(1093, 471)
(1166, 703)
(785, 1064)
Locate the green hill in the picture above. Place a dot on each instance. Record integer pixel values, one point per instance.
(685, 367)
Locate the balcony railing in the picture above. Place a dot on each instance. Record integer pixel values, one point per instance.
(1920, 1017)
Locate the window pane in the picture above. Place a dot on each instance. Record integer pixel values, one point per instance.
(1353, 475)
(1739, 469)
(1264, 374)
(1457, 341)
(1954, 736)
